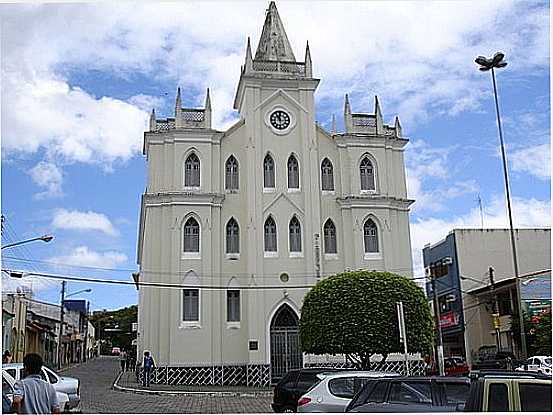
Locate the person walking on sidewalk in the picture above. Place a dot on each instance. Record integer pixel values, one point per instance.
(148, 365)
(32, 394)
(123, 359)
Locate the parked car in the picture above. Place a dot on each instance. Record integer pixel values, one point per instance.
(293, 385)
(496, 361)
(116, 351)
(456, 366)
(67, 385)
(334, 391)
(508, 391)
(540, 364)
(411, 394)
(8, 383)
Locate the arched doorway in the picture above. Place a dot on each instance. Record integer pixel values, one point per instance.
(285, 342)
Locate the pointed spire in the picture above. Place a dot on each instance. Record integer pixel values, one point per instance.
(378, 116)
(397, 127)
(153, 125)
(348, 122)
(178, 104)
(207, 110)
(178, 110)
(333, 124)
(308, 63)
(249, 60)
(273, 43)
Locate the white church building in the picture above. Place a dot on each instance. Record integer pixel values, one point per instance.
(239, 224)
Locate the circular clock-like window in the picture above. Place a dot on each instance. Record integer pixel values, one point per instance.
(284, 277)
(280, 120)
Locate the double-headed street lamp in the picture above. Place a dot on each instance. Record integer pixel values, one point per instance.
(44, 238)
(487, 64)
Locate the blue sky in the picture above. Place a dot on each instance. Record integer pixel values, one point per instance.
(80, 79)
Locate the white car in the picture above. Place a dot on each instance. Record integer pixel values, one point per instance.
(540, 364)
(335, 390)
(70, 386)
(8, 383)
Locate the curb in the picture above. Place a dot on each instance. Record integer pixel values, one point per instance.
(126, 389)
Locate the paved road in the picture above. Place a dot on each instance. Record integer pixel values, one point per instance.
(97, 377)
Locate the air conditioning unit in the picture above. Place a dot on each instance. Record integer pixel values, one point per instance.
(447, 261)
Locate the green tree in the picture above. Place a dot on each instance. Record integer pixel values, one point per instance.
(119, 320)
(354, 313)
(542, 332)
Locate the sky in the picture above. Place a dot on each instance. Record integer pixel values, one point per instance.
(79, 81)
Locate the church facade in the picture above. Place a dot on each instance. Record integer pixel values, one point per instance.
(237, 225)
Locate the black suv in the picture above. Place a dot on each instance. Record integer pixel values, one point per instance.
(411, 394)
(293, 385)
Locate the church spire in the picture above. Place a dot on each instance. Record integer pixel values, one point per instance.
(308, 64)
(249, 61)
(378, 116)
(348, 122)
(397, 127)
(207, 110)
(178, 109)
(333, 124)
(153, 124)
(273, 43)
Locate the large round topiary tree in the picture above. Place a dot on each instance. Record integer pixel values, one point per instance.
(354, 313)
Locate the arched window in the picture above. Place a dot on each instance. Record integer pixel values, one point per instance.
(293, 173)
(192, 171)
(233, 237)
(191, 299)
(270, 235)
(231, 174)
(268, 172)
(367, 174)
(191, 236)
(327, 175)
(329, 231)
(294, 229)
(370, 232)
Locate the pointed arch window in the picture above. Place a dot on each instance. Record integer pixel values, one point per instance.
(233, 237)
(268, 172)
(191, 300)
(270, 231)
(370, 232)
(231, 173)
(293, 173)
(327, 175)
(192, 171)
(294, 229)
(329, 232)
(191, 241)
(366, 170)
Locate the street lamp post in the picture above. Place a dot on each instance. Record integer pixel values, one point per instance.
(487, 64)
(44, 238)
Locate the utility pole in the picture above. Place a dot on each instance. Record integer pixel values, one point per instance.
(403, 334)
(495, 314)
(62, 312)
(85, 355)
(439, 346)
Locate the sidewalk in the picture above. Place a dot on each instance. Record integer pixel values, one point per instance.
(126, 382)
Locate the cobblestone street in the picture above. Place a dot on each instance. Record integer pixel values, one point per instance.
(97, 395)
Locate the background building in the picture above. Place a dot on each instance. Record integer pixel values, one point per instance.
(250, 218)
(460, 263)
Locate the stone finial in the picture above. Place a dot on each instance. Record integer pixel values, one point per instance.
(333, 124)
(348, 123)
(378, 117)
(153, 125)
(397, 127)
(249, 61)
(308, 63)
(207, 110)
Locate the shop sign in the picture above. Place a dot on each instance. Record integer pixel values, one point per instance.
(449, 319)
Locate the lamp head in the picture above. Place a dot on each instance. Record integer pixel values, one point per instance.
(46, 238)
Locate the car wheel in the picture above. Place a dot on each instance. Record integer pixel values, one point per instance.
(288, 410)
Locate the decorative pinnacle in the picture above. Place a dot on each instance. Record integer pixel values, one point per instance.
(249, 59)
(377, 111)
(333, 124)
(308, 64)
(397, 127)
(347, 108)
(178, 100)
(207, 101)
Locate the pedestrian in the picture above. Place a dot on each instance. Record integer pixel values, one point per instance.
(32, 394)
(6, 357)
(148, 364)
(123, 360)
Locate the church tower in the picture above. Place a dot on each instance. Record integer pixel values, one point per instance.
(242, 222)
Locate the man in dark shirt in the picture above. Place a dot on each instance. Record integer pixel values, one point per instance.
(32, 394)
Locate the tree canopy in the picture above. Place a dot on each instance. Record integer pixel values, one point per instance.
(354, 313)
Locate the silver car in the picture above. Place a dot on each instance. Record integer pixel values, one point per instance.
(8, 383)
(335, 390)
(67, 385)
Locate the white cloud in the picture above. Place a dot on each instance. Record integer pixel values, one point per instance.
(418, 57)
(146, 102)
(526, 213)
(48, 176)
(75, 220)
(83, 256)
(535, 160)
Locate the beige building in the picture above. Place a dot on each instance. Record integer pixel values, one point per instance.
(250, 218)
